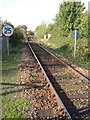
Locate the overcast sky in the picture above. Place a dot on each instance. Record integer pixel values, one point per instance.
(31, 13)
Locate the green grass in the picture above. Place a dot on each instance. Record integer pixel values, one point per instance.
(13, 104)
(10, 65)
(64, 46)
(39, 73)
(73, 84)
(67, 90)
(13, 119)
(13, 108)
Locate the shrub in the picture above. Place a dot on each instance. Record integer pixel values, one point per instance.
(17, 37)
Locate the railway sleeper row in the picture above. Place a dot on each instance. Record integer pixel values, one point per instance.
(62, 111)
(74, 107)
(42, 103)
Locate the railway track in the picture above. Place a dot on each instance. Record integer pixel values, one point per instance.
(69, 87)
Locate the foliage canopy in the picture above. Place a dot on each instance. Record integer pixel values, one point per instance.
(69, 17)
(17, 37)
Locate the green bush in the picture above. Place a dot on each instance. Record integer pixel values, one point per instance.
(17, 37)
(65, 47)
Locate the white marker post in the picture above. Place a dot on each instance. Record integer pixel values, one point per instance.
(75, 43)
(75, 36)
(7, 31)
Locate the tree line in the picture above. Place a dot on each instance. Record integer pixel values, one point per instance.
(71, 16)
(19, 33)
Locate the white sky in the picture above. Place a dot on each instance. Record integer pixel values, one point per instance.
(31, 13)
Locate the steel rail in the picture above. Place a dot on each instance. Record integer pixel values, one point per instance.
(86, 80)
(59, 101)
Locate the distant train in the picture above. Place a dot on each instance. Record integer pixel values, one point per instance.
(30, 38)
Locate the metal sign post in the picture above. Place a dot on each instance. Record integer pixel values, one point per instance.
(75, 36)
(75, 43)
(7, 31)
(8, 46)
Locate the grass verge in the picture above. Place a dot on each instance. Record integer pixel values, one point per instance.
(13, 105)
(65, 47)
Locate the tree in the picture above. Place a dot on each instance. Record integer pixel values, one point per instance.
(7, 23)
(83, 26)
(17, 37)
(40, 31)
(23, 29)
(22, 26)
(69, 17)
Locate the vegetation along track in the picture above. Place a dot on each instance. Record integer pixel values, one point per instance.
(70, 86)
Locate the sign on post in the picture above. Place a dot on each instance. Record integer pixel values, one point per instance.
(75, 36)
(7, 31)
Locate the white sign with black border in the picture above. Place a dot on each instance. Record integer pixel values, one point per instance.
(7, 30)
